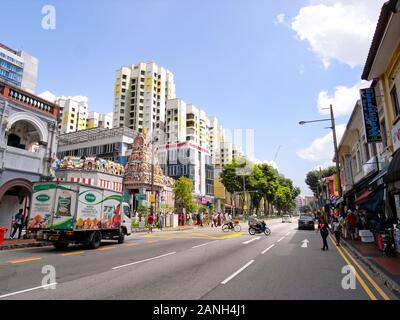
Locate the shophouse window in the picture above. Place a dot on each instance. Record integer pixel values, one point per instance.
(395, 100)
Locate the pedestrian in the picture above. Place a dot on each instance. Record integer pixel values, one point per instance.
(150, 221)
(337, 230)
(215, 219)
(17, 224)
(351, 224)
(323, 228)
(161, 221)
(201, 218)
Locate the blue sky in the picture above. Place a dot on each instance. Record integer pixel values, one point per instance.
(231, 58)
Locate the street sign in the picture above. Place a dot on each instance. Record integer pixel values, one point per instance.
(152, 198)
(140, 196)
(244, 207)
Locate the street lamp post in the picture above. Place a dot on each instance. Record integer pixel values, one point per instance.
(333, 127)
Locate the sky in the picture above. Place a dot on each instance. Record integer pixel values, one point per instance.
(263, 65)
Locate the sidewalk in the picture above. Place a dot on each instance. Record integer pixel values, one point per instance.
(22, 243)
(387, 268)
(30, 243)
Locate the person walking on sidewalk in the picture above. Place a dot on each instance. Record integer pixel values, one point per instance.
(150, 221)
(161, 221)
(351, 224)
(337, 230)
(323, 228)
(17, 224)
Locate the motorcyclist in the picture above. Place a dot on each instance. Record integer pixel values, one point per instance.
(229, 221)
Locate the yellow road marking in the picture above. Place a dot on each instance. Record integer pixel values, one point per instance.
(105, 248)
(131, 244)
(375, 285)
(70, 253)
(151, 241)
(363, 284)
(15, 261)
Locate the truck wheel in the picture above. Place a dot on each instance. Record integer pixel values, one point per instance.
(121, 238)
(60, 246)
(95, 240)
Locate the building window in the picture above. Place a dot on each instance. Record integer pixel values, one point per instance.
(395, 100)
(124, 76)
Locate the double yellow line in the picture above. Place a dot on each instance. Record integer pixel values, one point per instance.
(346, 256)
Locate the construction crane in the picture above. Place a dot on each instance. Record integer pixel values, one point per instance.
(277, 152)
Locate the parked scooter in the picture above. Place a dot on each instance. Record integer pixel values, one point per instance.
(259, 228)
(388, 245)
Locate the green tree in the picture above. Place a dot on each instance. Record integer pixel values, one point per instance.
(283, 199)
(257, 183)
(305, 209)
(183, 194)
(271, 187)
(314, 176)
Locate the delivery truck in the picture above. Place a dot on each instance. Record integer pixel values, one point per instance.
(70, 212)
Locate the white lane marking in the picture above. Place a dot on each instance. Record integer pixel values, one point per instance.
(304, 243)
(287, 234)
(271, 246)
(27, 290)
(204, 244)
(281, 239)
(149, 259)
(251, 240)
(237, 272)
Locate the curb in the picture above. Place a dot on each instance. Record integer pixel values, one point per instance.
(24, 245)
(387, 280)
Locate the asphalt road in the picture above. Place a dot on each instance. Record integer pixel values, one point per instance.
(192, 264)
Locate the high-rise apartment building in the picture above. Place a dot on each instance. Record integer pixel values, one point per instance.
(99, 120)
(140, 97)
(73, 114)
(18, 68)
(185, 151)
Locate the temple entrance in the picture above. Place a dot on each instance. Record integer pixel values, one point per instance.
(14, 195)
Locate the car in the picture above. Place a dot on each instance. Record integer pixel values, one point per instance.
(306, 222)
(286, 218)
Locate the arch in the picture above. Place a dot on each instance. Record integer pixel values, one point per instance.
(20, 182)
(35, 121)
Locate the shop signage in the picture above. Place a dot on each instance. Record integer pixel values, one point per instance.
(396, 136)
(140, 196)
(371, 119)
(348, 175)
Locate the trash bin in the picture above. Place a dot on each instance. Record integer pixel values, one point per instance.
(2, 233)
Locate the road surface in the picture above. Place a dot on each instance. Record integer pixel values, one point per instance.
(193, 264)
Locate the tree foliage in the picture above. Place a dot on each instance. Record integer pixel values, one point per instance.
(314, 176)
(263, 182)
(183, 194)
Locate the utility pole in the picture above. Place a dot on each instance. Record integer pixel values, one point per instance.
(336, 150)
(152, 171)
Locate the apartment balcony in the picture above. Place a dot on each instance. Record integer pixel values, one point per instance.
(23, 160)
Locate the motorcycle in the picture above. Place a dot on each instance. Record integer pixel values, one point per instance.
(388, 245)
(259, 228)
(235, 226)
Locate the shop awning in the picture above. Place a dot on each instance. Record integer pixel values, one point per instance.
(363, 197)
(393, 172)
(379, 179)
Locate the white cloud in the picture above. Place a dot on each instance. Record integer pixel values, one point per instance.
(280, 18)
(339, 30)
(270, 162)
(321, 149)
(343, 99)
(52, 97)
(47, 95)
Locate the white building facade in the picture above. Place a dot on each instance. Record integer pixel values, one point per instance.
(18, 68)
(28, 144)
(140, 97)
